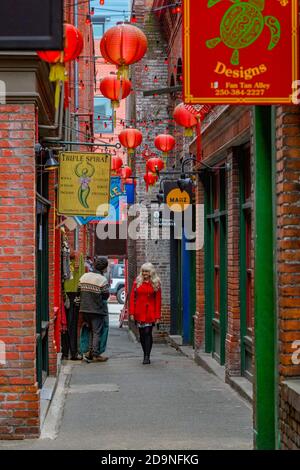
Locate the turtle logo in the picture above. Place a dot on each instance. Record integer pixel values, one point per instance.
(85, 177)
(242, 25)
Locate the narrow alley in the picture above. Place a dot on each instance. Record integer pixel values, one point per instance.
(149, 177)
(171, 403)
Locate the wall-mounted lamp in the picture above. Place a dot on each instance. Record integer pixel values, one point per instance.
(183, 183)
(51, 163)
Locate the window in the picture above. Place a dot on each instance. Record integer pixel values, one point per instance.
(98, 26)
(103, 120)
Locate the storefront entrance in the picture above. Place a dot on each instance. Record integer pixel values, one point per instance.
(216, 264)
(42, 286)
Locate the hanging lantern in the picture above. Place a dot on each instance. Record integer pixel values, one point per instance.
(123, 45)
(185, 118)
(73, 45)
(165, 143)
(125, 172)
(116, 163)
(115, 89)
(150, 180)
(130, 139)
(155, 165)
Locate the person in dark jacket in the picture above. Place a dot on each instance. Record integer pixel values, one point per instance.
(94, 293)
(145, 306)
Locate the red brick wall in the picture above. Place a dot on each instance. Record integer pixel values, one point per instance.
(233, 350)
(199, 321)
(19, 396)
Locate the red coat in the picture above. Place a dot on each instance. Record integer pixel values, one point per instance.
(145, 303)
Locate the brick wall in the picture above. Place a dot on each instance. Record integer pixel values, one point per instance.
(233, 349)
(288, 265)
(199, 320)
(19, 396)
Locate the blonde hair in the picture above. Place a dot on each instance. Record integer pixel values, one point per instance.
(154, 278)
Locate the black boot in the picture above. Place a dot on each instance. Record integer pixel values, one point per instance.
(146, 360)
(148, 344)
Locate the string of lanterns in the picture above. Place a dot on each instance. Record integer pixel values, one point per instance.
(124, 45)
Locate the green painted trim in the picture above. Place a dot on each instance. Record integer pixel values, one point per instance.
(264, 282)
(275, 283)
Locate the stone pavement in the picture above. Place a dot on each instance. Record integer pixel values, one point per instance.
(122, 404)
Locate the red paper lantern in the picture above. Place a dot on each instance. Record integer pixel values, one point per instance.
(72, 47)
(130, 139)
(165, 143)
(126, 172)
(185, 118)
(115, 89)
(123, 45)
(150, 179)
(116, 163)
(155, 165)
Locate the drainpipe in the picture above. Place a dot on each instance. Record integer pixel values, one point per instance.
(54, 126)
(61, 117)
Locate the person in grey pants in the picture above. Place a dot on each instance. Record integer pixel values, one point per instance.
(94, 293)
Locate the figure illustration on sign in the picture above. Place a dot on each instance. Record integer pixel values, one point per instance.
(84, 173)
(242, 25)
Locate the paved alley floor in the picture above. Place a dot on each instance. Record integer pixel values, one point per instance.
(170, 404)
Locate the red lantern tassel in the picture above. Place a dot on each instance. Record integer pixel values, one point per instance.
(198, 138)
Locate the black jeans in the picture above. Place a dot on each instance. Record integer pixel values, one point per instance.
(146, 339)
(72, 322)
(95, 323)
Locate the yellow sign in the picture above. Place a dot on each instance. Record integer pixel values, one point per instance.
(84, 183)
(178, 201)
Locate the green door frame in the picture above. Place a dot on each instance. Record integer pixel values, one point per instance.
(264, 291)
(42, 290)
(210, 217)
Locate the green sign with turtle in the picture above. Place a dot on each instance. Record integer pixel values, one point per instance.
(242, 25)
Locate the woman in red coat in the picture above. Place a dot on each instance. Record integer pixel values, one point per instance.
(145, 306)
